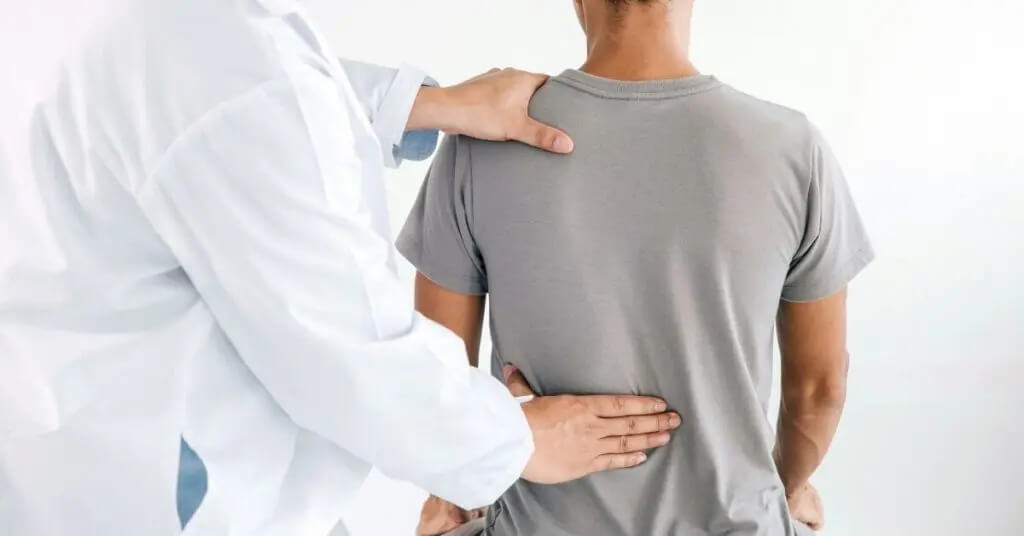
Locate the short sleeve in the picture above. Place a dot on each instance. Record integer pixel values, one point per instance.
(437, 238)
(835, 246)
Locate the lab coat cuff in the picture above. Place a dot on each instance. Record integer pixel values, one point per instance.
(518, 461)
(393, 116)
(515, 460)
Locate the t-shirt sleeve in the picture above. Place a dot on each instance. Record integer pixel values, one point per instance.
(437, 237)
(835, 246)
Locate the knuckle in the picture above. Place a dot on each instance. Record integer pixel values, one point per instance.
(623, 444)
(632, 425)
(577, 407)
(620, 403)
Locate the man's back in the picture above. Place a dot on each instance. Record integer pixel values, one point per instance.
(651, 261)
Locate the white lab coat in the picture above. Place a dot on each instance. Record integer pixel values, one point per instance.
(195, 242)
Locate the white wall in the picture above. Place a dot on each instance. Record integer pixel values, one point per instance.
(923, 103)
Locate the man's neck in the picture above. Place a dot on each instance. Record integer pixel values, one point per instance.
(640, 48)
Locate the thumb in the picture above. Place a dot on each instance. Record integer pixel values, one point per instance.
(516, 382)
(542, 136)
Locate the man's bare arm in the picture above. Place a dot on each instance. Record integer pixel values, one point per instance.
(812, 340)
(461, 313)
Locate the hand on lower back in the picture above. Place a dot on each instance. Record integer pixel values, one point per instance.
(575, 436)
(805, 506)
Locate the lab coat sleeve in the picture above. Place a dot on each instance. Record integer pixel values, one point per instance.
(387, 97)
(267, 203)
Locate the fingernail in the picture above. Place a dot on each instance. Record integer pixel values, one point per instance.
(663, 439)
(675, 420)
(660, 406)
(507, 371)
(563, 144)
(641, 458)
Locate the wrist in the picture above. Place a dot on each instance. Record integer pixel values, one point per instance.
(433, 109)
(793, 495)
(789, 485)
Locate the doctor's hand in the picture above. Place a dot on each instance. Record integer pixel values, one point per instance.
(493, 106)
(575, 436)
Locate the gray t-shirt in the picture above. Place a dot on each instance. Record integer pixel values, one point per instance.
(650, 261)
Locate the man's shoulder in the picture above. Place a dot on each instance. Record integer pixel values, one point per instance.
(760, 116)
(760, 106)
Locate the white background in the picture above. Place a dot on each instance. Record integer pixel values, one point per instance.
(922, 101)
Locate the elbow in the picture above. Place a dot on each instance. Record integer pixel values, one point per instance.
(815, 398)
(823, 392)
(826, 395)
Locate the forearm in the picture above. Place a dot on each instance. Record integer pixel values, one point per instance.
(812, 341)
(807, 423)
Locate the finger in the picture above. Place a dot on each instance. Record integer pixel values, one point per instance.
(624, 405)
(541, 136)
(819, 509)
(611, 462)
(640, 424)
(507, 371)
(633, 443)
(516, 382)
(810, 516)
